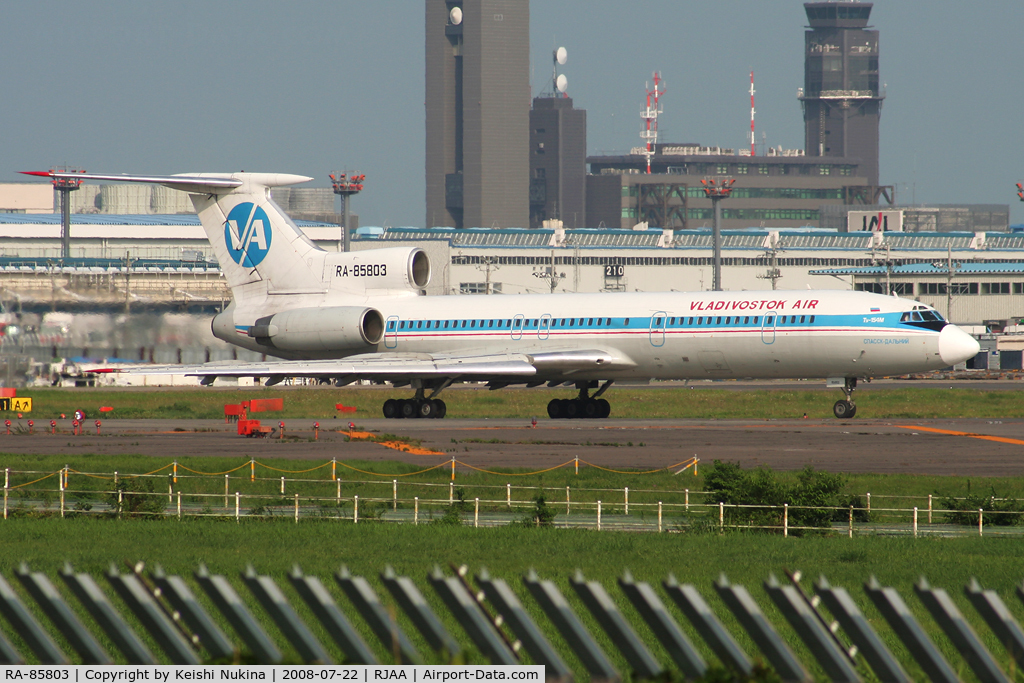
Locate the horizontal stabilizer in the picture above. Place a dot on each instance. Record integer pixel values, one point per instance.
(195, 183)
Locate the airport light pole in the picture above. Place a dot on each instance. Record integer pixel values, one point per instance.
(717, 188)
(65, 186)
(345, 185)
(1020, 191)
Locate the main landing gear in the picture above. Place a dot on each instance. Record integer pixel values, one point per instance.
(583, 406)
(418, 406)
(846, 409)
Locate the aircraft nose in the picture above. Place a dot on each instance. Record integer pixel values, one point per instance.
(956, 346)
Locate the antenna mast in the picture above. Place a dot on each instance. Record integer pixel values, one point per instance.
(752, 138)
(649, 133)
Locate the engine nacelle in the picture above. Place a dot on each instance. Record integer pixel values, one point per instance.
(391, 270)
(346, 329)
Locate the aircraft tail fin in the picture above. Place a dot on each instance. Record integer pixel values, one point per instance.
(258, 246)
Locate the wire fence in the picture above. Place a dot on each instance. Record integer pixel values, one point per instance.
(240, 494)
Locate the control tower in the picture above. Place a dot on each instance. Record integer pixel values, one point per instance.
(841, 98)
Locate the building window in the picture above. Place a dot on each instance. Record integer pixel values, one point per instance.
(628, 212)
(478, 288)
(741, 169)
(784, 169)
(539, 173)
(1018, 287)
(995, 287)
(722, 169)
(824, 169)
(845, 170)
(931, 288)
(762, 169)
(541, 131)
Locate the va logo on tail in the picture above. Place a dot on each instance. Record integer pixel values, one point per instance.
(247, 234)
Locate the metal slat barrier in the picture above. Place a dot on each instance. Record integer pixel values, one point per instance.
(40, 625)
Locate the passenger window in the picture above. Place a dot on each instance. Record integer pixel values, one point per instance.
(626, 322)
(446, 324)
(792, 319)
(572, 321)
(803, 318)
(590, 322)
(473, 324)
(718, 320)
(689, 322)
(599, 321)
(727, 319)
(391, 324)
(419, 325)
(700, 320)
(608, 321)
(401, 325)
(746, 320)
(767, 319)
(812, 319)
(755, 319)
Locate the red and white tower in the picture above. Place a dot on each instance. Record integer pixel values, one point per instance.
(752, 139)
(649, 132)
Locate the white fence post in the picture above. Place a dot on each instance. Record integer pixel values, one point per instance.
(237, 504)
(851, 522)
(980, 521)
(687, 500)
(869, 502)
(451, 493)
(61, 482)
(170, 492)
(785, 520)
(339, 492)
(355, 509)
(721, 516)
(929, 508)
(416, 510)
(566, 501)
(394, 494)
(508, 495)
(915, 522)
(598, 515)
(282, 486)
(659, 516)
(179, 504)
(625, 493)
(476, 513)
(226, 480)
(296, 505)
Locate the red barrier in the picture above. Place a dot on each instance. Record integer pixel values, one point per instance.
(259, 405)
(344, 408)
(8, 392)
(233, 412)
(106, 409)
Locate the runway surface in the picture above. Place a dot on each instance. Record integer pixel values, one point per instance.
(978, 447)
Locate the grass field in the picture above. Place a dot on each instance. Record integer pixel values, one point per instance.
(675, 402)
(321, 548)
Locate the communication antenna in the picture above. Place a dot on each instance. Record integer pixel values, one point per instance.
(559, 83)
(649, 115)
(455, 16)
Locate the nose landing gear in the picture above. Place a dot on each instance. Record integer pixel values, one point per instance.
(845, 409)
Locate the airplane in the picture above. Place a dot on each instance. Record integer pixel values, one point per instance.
(341, 317)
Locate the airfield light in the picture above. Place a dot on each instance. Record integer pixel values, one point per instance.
(717, 188)
(345, 185)
(65, 186)
(1020, 191)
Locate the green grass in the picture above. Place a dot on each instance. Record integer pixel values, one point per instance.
(653, 403)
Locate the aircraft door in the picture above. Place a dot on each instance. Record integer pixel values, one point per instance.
(544, 328)
(768, 323)
(518, 323)
(658, 329)
(391, 332)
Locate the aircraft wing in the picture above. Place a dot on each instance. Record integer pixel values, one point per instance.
(398, 366)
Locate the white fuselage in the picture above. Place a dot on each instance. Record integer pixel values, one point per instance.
(773, 334)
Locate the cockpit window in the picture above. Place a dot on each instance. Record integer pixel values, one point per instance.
(931, 316)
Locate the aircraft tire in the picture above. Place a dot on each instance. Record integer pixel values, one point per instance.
(555, 408)
(605, 408)
(426, 409)
(853, 409)
(572, 409)
(844, 410)
(391, 410)
(591, 409)
(409, 408)
(440, 409)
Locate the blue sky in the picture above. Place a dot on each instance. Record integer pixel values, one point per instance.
(309, 87)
